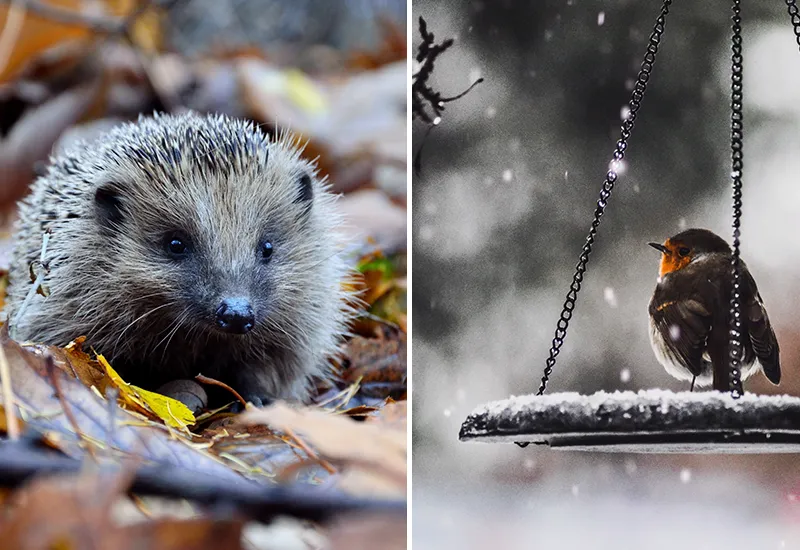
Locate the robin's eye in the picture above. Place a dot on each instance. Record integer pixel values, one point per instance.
(266, 250)
(177, 245)
(683, 251)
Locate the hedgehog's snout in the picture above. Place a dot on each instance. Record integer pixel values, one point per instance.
(235, 315)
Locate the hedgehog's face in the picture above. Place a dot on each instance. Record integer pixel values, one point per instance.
(227, 252)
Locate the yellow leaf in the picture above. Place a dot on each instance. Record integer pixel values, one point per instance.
(304, 93)
(171, 411)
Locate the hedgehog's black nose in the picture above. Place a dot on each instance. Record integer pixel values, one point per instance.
(235, 315)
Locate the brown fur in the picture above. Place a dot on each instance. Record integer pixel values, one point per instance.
(227, 186)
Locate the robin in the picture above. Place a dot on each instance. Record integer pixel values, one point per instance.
(690, 313)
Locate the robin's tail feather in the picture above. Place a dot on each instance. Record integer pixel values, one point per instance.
(765, 344)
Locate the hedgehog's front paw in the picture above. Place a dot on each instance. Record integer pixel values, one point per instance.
(257, 400)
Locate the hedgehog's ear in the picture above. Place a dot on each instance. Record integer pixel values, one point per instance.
(109, 206)
(305, 191)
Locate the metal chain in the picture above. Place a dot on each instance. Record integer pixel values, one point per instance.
(736, 348)
(608, 186)
(794, 13)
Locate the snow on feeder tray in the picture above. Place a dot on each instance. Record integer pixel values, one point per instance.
(655, 421)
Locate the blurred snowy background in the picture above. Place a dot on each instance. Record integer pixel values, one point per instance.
(508, 185)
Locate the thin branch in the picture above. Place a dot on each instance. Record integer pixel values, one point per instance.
(212, 381)
(426, 103)
(20, 462)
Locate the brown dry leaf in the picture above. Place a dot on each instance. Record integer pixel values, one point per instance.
(380, 364)
(373, 458)
(32, 137)
(131, 434)
(190, 534)
(367, 532)
(37, 34)
(393, 414)
(87, 370)
(83, 519)
(370, 214)
(393, 48)
(81, 522)
(360, 114)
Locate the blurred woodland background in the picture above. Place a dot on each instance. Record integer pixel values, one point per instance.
(334, 73)
(508, 183)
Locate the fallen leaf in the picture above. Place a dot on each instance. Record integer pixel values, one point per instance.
(372, 455)
(394, 414)
(171, 411)
(371, 218)
(367, 532)
(102, 424)
(378, 364)
(393, 48)
(83, 519)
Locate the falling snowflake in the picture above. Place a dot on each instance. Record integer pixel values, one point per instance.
(490, 112)
(610, 297)
(674, 332)
(447, 413)
(575, 490)
(507, 175)
(625, 376)
(686, 475)
(601, 18)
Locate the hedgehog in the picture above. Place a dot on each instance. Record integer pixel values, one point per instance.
(183, 245)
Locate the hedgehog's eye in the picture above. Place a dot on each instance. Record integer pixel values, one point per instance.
(177, 245)
(684, 251)
(266, 250)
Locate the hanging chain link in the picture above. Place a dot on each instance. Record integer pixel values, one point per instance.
(608, 186)
(736, 348)
(794, 13)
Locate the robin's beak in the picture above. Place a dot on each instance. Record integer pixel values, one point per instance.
(660, 247)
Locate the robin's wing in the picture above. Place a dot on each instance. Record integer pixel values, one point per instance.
(684, 326)
(765, 344)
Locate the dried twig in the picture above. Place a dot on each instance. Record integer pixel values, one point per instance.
(213, 382)
(427, 104)
(423, 96)
(311, 454)
(37, 283)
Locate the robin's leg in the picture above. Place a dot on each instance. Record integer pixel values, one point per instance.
(691, 388)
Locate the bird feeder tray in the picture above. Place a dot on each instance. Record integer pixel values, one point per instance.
(648, 421)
